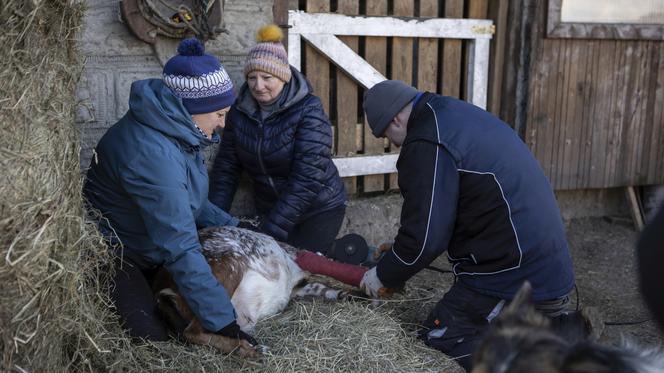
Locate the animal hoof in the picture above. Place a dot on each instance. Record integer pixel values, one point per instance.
(262, 349)
(245, 349)
(343, 295)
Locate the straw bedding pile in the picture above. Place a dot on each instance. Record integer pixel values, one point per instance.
(54, 314)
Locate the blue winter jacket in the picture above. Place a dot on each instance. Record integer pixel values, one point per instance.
(287, 155)
(472, 188)
(149, 181)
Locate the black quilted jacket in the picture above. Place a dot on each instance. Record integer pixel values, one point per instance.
(287, 155)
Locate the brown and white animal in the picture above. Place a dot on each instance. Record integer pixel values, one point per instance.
(259, 274)
(522, 340)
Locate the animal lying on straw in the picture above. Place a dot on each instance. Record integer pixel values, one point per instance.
(522, 340)
(259, 273)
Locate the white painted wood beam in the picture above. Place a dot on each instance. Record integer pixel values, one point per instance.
(344, 57)
(294, 50)
(339, 24)
(366, 165)
(478, 72)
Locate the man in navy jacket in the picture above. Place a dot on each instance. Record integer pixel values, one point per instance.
(472, 188)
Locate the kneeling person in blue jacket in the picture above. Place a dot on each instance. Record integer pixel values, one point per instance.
(472, 188)
(150, 184)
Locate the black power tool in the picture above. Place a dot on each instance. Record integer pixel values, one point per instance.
(352, 249)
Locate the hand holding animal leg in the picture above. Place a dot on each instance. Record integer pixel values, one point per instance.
(372, 286)
(195, 333)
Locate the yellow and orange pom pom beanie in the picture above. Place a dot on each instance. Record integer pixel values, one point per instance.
(269, 55)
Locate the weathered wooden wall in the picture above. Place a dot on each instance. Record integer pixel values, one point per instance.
(595, 109)
(429, 64)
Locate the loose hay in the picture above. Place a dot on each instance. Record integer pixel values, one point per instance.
(54, 314)
(323, 336)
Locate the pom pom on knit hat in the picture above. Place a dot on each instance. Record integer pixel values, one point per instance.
(191, 47)
(270, 33)
(269, 55)
(198, 79)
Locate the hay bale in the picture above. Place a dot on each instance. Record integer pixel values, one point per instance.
(42, 230)
(55, 314)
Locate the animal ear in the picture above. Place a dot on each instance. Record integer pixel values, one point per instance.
(521, 310)
(522, 298)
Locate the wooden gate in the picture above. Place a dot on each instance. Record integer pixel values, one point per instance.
(371, 49)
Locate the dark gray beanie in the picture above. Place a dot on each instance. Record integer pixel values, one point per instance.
(384, 101)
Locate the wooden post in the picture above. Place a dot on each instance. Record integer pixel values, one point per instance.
(634, 208)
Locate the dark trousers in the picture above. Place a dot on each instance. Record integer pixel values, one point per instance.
(459, 321)
(134, 302)
(317, 233)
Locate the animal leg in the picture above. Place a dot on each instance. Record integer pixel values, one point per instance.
(195, 333)
(316, 289)
(175, 310)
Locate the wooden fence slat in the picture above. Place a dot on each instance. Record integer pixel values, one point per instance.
(657, 150)
(451, 60)
(615, 121)
(402, 63)
(643, 144)
(280, 18)
(318, 67)
(376, 55)
(574, 115)
(537, 124)
(347, 94)
(638, 145)
(603, 64)
(561, 113)
(551, 103)
(588, 116)
(565, 113)
(498, 12)
(552, 141)
(478, 9)
(609, 122)
(555, 81)
(427, 53)
(650, 130)
(629, 111)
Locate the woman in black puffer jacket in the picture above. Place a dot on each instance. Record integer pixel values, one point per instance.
(278, 132)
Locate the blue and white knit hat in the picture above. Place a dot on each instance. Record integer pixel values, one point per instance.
(198, 78)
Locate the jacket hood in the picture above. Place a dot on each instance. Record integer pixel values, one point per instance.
(294, 91)
(153, 104)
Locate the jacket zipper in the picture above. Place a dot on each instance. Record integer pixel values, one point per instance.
(260, 158)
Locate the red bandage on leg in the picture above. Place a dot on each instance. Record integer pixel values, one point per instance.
(320, 265)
